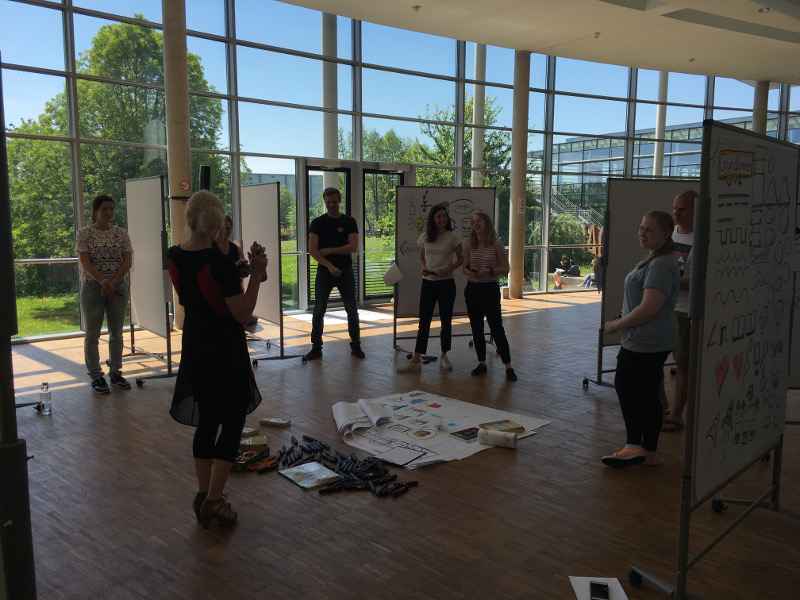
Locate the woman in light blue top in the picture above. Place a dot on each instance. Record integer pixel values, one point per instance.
(649, 333)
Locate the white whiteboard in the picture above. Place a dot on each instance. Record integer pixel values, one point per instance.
(627, 201)
(741, 296)
(794, 349)
(260, 220)
(412, 206)
(150, 285)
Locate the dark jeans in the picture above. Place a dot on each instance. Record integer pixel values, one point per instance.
(483, 300)
(442, 291)
(323, 285)
(637, 382)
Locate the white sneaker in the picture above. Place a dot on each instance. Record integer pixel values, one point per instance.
(409, 366)
(444, 363)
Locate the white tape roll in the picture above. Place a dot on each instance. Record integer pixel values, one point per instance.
(491, 437)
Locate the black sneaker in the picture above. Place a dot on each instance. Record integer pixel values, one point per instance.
(479, 370)
(510, 375)
(316, 352)
(100, 386)
(120, 382)
(355, 350)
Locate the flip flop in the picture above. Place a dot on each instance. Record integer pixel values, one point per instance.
(670, 426)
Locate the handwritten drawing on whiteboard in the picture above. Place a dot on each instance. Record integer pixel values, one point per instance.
(749, 288)
(413, 206)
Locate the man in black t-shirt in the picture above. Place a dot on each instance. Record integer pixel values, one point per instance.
(332, 238)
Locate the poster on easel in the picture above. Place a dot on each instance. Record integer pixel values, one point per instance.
(742, 292)
(627, 201)
(151, 288)
(413, 206)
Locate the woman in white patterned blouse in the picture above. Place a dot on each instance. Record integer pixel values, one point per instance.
(106, 256)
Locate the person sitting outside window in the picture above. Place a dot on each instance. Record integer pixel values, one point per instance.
(564, 269)
(590, 278)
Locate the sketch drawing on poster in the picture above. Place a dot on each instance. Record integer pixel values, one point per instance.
(413, 205)
(749, 288)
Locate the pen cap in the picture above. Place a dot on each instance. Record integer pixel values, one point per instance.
(490, 437)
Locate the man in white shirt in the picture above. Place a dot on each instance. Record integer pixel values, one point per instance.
(683, 214)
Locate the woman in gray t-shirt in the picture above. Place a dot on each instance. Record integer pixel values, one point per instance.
(649, 333)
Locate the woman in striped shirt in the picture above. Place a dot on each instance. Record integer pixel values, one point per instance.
(485, 259)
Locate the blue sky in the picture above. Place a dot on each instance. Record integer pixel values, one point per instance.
(33, 36)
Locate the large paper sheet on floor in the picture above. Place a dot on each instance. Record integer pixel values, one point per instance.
(419, 426)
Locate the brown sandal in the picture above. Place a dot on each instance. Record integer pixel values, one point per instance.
(219, 510)
(671, 426)
(197, 503)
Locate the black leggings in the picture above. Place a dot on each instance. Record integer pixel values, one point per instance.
(206, 444)
(637, 383)
(483, 299)
(442, 292)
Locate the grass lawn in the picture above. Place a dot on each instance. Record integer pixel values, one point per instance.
(37, 315)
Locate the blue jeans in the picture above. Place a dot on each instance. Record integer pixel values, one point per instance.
(323, 285)
(94, 308)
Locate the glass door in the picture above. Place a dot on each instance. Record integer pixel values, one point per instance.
(380, 189)
(368, 195)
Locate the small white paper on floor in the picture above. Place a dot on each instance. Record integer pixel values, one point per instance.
(580, 586)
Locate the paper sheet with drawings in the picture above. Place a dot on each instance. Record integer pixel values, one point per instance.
(580, 586)
(419, 422)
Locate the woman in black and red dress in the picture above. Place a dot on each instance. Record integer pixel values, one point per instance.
(215, 389)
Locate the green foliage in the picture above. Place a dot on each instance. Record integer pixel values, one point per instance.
(496, 144)
(565, 230)
(40, 174)
(288, 213)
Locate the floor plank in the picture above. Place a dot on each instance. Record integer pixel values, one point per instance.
(111, 482)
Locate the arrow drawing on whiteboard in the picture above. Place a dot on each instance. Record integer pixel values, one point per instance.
(711, 341)
(721, 372)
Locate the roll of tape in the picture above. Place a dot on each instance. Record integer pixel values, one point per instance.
(491, 437)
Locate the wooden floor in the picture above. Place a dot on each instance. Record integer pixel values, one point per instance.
(111, 483)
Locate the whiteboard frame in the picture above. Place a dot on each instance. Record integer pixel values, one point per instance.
(259, 216)
(731, 215)
(623, 215)
(149, 277)
(411, 207)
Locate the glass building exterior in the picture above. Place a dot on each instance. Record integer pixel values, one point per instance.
(84, 96)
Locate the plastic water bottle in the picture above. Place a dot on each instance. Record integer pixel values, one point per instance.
(44, 399)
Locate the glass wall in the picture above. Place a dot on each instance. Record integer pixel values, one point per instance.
(81, 124)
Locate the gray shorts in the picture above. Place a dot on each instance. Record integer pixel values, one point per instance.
(681, 350)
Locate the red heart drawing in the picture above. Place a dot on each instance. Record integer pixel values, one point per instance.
(722, 370)
(738, 360)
